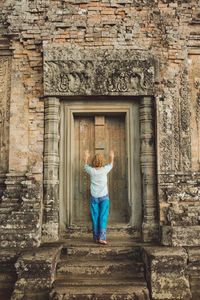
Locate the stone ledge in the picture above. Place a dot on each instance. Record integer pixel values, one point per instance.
(180, 236)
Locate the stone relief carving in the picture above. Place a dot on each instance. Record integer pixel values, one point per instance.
(4, 110)
(198, 109)
(185, 139)
(186, 153)
(175, 153)
(101, 77)
(176, 136)
(166, 150)
(68, 77)
(184, 109)
(166, 129)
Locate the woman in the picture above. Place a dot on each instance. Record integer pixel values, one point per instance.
(99, 200)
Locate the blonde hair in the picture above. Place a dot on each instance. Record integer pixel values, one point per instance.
(98, 160)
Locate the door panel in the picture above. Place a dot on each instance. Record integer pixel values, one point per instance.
(100, 134)
(84, 139)
(115, 140)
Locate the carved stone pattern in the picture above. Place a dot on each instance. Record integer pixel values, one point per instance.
(166, 150)
(185, 113)
(166, 145)
(185, 144)
(97, 77)
(176, 135)
(198, 110)
(186, 153)
(4, 110)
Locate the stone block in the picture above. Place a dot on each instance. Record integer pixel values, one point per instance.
(193, 271)
(35, 271)
(165, 272)
(8, 274)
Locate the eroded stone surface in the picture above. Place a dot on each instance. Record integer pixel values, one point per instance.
(35, 272)
(166, 272)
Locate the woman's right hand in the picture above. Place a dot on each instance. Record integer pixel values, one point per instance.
(112, 154)
(111, 157)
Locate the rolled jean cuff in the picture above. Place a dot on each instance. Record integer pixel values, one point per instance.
(102, 234)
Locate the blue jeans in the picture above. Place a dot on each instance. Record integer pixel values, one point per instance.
(99, 211)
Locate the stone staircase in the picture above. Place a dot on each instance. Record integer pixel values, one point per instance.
(87, 270)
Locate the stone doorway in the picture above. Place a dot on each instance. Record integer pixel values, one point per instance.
(100, 126)
(100, 133)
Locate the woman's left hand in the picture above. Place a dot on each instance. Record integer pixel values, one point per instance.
(87, 153)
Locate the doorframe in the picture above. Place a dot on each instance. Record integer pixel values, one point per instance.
(68, 111)
(53, 159)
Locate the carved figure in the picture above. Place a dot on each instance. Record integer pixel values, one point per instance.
(63, 82)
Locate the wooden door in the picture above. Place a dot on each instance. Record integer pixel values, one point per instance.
(100, 134)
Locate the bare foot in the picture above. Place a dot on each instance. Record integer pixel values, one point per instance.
(102, 242)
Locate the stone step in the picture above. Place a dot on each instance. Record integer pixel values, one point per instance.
(101, 252)
(117, 229)
(121, 236)
(133, 291)
(84, 246)
(101, 268)
(98, 277)
(92, 282)
(88, 242)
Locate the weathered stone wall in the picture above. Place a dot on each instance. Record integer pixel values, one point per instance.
(167, 30)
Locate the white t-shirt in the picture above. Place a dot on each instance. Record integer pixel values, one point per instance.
(98, 186)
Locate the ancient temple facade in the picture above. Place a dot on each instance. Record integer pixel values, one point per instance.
(100, 75)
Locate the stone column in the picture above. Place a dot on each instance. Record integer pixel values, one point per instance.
(148, 170)
(5, 91)
(51, 169)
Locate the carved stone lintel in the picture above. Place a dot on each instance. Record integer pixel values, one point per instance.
(51, 167)
(83, 73)
(150, 223)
